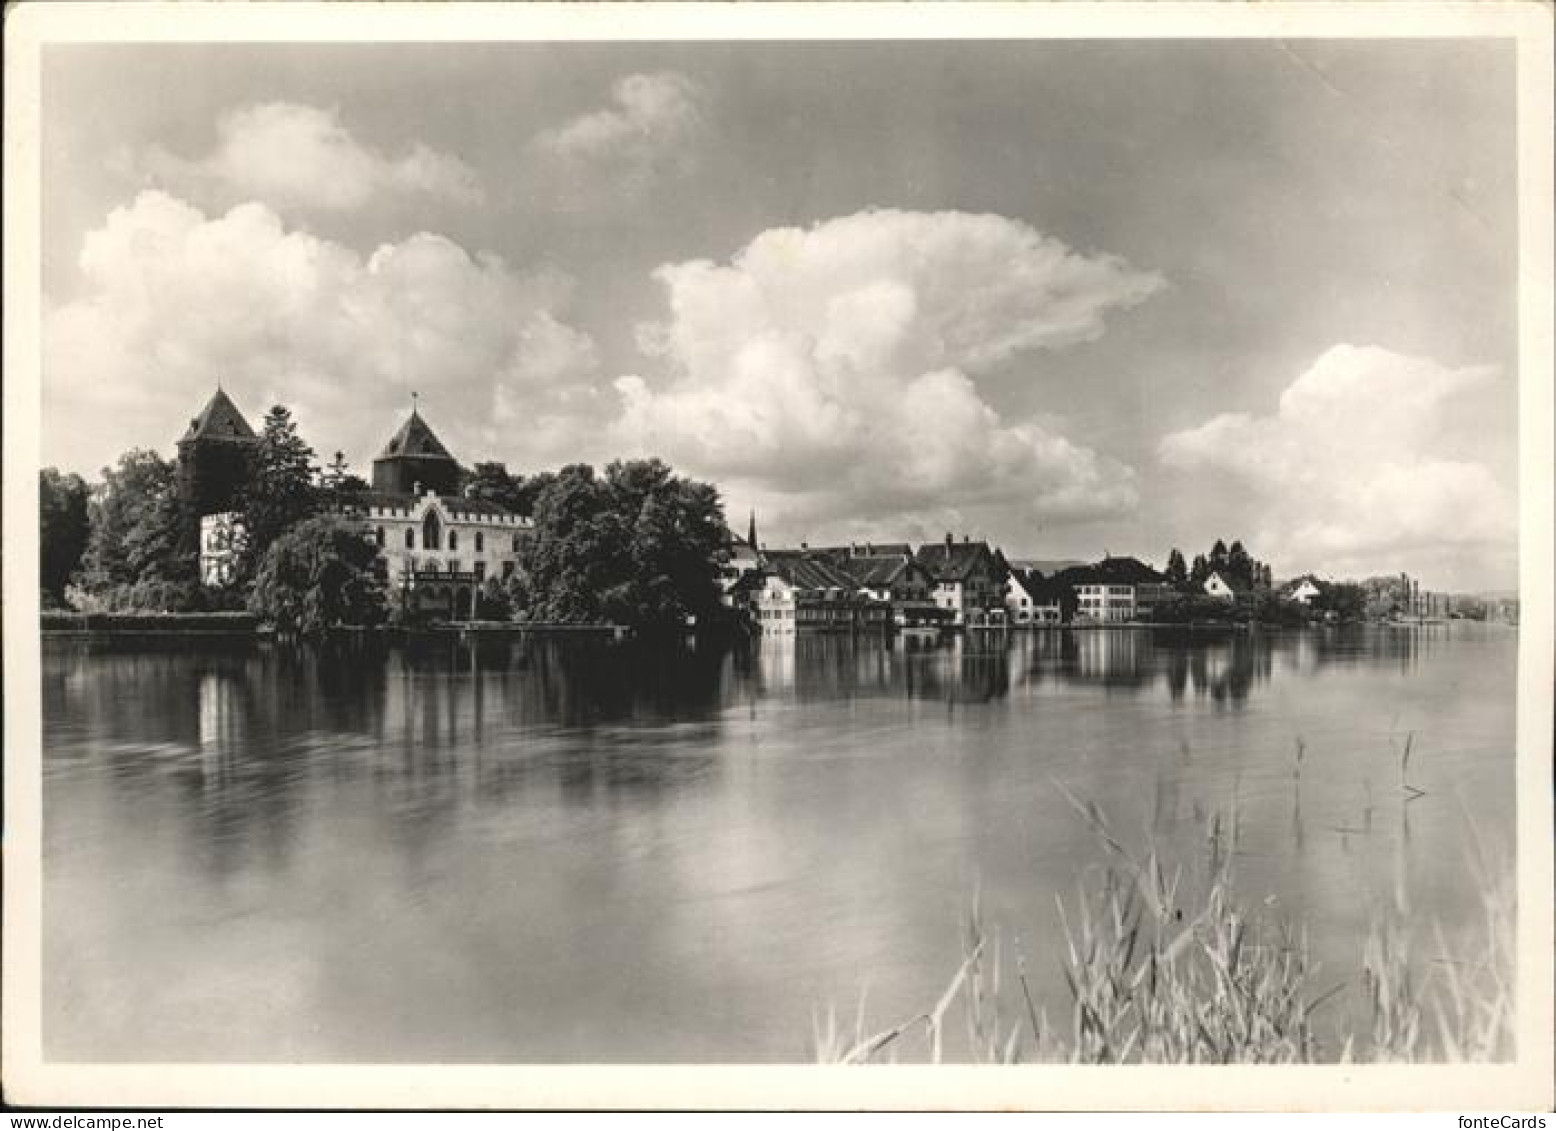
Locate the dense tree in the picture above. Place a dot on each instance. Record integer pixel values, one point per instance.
(64, 527)
(674, 529)
(492, 482)
(634, 547)
(321, 573)
(574, 556)
(136, 556)
(1343, 601)
(1239, 566)
(280, 489)
(1199, 572)
(1177, 571)
(1218, 557)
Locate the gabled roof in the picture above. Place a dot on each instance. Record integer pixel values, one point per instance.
(953, 561)
(1298, 582)
(878, 571)
(802, 571)
(842, 555)
(415, 439)
(1042, 590)
(1230, 582)
(219, 420)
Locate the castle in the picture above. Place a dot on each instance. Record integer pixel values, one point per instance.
(439, 548)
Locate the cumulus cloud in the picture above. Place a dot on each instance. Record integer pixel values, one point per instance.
(616, 153)
(293, 156)
(175, 298)
(836, 368)
(1347, 475)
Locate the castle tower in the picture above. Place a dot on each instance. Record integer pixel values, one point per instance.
(213, 458)
(414, 455)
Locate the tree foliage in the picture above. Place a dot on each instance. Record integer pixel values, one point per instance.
(337, 482)
(64, 528)
(280, 490)
(1177, 572)
(634, 547)
(1234, 563)
(136, 555)
(1344, 601)
(492, 482)
(319, 574)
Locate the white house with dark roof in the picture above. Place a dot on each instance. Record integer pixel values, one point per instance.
(1222, 588)
(1115, 589)
(1302, 590)
(1028, 601)
(969, 580)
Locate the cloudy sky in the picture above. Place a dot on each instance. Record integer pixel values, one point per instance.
(1073, 297)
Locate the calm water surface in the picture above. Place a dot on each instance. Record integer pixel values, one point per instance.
(594, 852)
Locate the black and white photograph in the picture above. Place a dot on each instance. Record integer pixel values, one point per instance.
(684, 543)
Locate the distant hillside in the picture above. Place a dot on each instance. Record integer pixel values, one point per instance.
(1046, 568)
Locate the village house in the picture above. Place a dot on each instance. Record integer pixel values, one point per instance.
(1224, 588)
(969, 580)
(799, 592)
(895, 579)
(1115, 589)
(1029, 600)
(1302, 590)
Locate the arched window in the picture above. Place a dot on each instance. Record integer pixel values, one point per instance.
(410, 537)
(378, 537)
(431, 531)
(515, 543)
(480, 542)
(453, 539)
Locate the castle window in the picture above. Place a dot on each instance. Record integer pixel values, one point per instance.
(410, 537)
(453, 539)
(515, 543)
(378, 537)
(480, 571)
(431, 531)
(480, 542)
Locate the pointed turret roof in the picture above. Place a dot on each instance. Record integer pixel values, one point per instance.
(414, 438)
(219, 420)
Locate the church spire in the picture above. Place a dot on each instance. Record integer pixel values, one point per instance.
(751, 533)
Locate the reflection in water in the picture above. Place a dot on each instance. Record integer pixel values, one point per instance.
(580, 850)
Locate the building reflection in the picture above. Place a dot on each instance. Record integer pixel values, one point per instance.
(249, 736)
(971, 668)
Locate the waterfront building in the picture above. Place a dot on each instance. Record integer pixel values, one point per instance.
(800, 592)
(897, 580)
(1029, 600)
(1223, 588)
(1115, 589)
(1302, 590)
(439, 548)
(969, 580)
